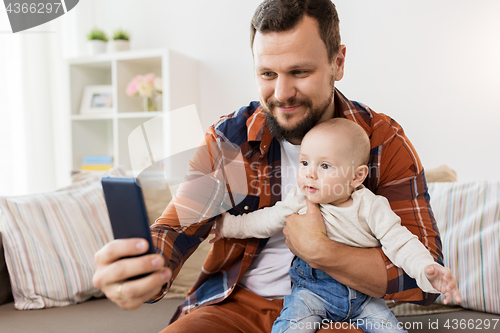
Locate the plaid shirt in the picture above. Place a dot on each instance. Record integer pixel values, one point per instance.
(395, 173)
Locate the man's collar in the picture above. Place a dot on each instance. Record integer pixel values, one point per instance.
(347, 109)
(257, 130)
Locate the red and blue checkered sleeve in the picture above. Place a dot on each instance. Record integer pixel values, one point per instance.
(402, 182)
(188, 218)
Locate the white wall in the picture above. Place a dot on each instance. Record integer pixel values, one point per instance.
(439, 62)
(434, 66)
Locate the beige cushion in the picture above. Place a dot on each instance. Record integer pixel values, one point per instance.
(156, 201)
(50, 240)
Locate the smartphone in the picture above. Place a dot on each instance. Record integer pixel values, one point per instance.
(127, 210)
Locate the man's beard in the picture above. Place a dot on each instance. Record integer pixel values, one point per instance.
(298, 132)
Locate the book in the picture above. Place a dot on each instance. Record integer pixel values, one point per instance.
(98, 159)
(96, 167)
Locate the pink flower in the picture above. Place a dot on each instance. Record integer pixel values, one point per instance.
(144, 85)
(150, 78)
(131, 89)
(132, 86)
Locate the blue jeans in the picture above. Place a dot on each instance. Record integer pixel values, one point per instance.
(317, 301)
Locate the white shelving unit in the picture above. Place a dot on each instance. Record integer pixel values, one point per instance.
(107, 133)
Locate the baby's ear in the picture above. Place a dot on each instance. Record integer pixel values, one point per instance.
(360, 175)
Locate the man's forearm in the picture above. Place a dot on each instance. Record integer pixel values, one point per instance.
(362, 269)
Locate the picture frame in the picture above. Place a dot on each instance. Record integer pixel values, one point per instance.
(97, 99)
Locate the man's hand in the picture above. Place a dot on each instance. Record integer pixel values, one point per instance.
(442, 280)
(112, 272)
(304, 233)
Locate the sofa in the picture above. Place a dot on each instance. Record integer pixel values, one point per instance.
(49, 240)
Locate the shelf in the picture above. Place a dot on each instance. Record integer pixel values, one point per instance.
(127, 115)
(127, 69)
(83, 75)
(108, 133)
(91, 137)
(122, 55)
(94, 116)
(109, 115)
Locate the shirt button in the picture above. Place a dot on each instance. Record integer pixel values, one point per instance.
(246, 208)
(250, 255)
(264, 146)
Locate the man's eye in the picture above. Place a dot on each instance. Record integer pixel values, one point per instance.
(300, 73)
(268, 75)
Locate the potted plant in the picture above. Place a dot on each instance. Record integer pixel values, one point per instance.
(96, 41)
(121, 40)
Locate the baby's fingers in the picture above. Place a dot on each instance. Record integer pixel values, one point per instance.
(447, 298)
(453, 294)
(456, 295)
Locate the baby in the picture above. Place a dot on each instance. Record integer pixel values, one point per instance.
(332, 168)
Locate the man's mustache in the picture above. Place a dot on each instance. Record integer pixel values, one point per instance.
(290, 102)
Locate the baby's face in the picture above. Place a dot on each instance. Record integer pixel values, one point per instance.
(325, 168)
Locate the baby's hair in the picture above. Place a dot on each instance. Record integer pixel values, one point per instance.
(356, 135)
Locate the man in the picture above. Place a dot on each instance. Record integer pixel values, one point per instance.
(298, 57)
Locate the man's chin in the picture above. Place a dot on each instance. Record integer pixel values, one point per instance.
(290, 121)
(288, 125)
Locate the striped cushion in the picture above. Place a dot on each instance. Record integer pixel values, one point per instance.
(468, 216)
(50, 240)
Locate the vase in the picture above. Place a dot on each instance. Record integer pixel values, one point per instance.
(96, 46)
(119, 45)
(148, 104)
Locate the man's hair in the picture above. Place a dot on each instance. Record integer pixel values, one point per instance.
(283, 15)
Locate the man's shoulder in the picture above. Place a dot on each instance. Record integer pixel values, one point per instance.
(234, 126)
(379, 126)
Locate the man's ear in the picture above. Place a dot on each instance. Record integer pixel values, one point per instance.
(339, 63)
(360, 175)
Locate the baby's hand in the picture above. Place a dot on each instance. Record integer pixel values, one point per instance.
(441, 279)
(217, 228)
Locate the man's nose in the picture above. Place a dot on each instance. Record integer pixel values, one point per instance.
(284, 89)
